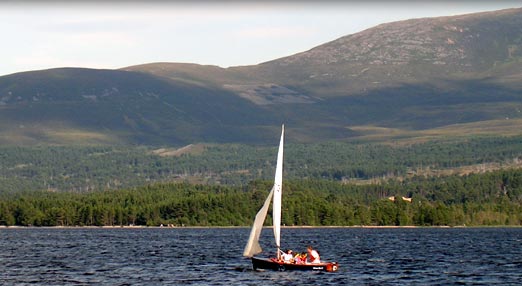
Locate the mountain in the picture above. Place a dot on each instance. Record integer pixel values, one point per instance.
(475, 46)
(400, 79)
(111, 106)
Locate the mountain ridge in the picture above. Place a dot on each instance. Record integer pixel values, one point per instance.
(414, 75)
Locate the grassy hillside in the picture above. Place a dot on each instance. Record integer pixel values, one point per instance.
(120, 106)
(419, 76)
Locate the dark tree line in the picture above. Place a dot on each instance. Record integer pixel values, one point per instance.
(493, 198)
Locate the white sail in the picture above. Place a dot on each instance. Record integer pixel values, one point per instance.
(278, 189)
(252, 247)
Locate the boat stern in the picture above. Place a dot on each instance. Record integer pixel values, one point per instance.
(332, 267)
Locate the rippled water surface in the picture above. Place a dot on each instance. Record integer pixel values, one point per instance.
(212, 256)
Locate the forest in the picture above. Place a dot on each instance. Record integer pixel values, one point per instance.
(492, 198)
(332, 183)
(98, 168)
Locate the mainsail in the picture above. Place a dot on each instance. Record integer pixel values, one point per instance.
(253, 246)
(278, 189)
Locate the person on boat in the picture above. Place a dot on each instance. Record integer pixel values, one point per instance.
(288, 256)
(300, 258)
(314, 255)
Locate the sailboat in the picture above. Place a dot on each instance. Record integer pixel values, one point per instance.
(252, 247)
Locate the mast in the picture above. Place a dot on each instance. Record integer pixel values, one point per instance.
(278, 189)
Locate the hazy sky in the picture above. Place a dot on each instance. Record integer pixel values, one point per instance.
(41, 35)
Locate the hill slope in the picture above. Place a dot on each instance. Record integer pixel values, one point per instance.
(119, 107)
(417, 74)
(474, 46)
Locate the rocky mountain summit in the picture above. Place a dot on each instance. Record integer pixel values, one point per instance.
(417, 50)
(462, 41)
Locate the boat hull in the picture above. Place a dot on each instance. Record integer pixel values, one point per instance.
(273, 264)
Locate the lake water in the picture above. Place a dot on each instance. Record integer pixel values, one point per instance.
(212, 256)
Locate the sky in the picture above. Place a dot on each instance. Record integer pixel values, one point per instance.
(116, 34)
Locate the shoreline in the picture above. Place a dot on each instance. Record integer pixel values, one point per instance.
(267, 227)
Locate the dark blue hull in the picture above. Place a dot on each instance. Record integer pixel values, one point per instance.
(274, 264)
